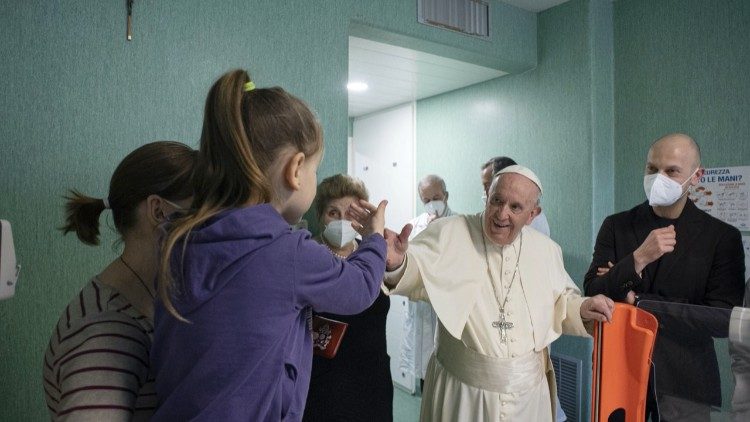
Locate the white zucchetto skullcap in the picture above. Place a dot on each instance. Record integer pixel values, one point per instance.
(523, 171)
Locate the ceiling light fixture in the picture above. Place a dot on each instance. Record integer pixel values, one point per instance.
(356, 86)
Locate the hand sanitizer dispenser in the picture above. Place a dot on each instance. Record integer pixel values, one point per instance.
(8, 267)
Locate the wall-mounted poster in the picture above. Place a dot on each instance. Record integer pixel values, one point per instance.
(724, 193)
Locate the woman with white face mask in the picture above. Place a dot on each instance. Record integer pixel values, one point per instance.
(356, 384)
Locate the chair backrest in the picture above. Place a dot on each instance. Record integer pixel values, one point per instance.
(622, 355)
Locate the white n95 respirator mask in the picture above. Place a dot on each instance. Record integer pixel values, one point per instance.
(339, 232)
(436, 208)
(662, 191)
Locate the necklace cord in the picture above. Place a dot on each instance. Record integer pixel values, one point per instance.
(143, 283)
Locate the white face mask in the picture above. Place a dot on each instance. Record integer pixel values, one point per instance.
(339, 232)
(436, 208)
(662, 191)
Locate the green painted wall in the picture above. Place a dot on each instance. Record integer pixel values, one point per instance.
(76, 97)
(555, 119)
(602, 112)
(586, 99)
(611, 77)
(682, 65)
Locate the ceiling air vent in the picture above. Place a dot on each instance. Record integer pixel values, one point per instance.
(470, 17)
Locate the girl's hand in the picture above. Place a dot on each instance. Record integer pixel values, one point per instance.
(366, 218)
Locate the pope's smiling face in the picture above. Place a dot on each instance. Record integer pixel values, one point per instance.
(512, 203)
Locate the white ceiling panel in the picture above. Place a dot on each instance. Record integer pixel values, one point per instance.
(397, 75)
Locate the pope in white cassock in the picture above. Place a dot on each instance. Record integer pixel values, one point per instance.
(502, 295)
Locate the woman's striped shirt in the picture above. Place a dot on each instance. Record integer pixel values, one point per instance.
(96, 367)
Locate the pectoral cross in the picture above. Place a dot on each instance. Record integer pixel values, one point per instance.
(503, 326)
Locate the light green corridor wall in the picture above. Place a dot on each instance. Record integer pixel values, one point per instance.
(682, 65)
(611, 77)
(76, 97)
(542, 119)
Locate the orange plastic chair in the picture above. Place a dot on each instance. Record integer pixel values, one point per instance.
(621, 360)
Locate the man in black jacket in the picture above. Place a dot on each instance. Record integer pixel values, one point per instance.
(668, 250)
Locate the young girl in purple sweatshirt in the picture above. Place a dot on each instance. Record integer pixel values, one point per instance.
(232, 335)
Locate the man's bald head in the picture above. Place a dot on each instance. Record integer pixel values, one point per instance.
(678, 143)
(677, 157)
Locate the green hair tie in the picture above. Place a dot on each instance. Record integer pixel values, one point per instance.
(249, 86)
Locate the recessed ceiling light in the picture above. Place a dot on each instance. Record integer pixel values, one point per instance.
(356, 86)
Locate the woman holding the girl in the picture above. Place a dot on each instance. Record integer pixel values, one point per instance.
(96, 367)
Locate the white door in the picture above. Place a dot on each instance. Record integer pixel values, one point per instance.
(382, 156)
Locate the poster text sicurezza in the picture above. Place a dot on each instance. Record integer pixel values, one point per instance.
(724, 193)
